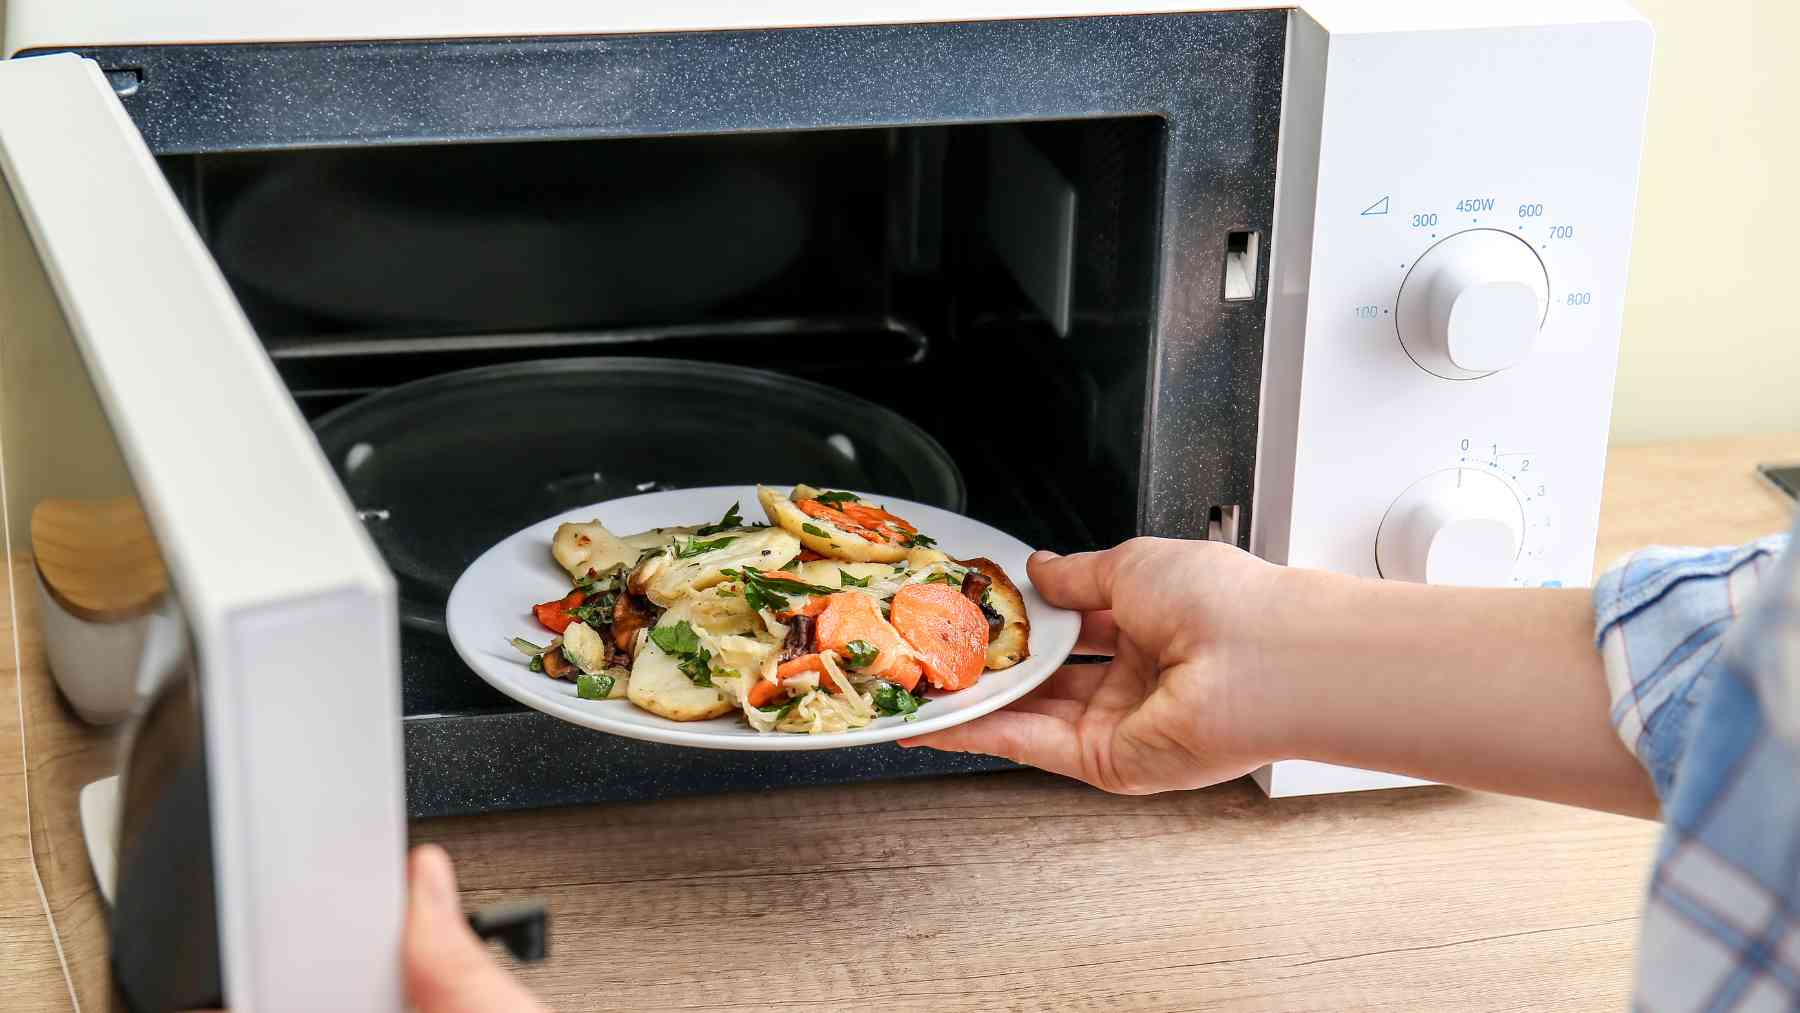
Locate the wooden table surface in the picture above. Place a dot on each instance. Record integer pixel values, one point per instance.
(1003, 891)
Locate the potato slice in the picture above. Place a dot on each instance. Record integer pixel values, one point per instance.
(659, 686)
(930, 569)
(586, 648)
(579, 548)
(656, 538)
(820, 535)
(829, 572)
(1013, 643)
(665, 580)
(920, 558)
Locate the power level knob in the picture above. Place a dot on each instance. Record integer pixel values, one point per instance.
(1472, 305)
(1460, 527)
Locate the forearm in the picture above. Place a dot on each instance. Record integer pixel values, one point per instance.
(1501, 690)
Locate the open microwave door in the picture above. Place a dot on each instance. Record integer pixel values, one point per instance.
(129, 375)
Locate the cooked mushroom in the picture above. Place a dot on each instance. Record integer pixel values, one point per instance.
(630, 614)
(974, 587)
(557, 666)
(799, 639)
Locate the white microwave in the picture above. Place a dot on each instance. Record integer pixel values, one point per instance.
(1341, 283)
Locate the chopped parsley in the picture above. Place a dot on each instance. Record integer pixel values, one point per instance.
(595, 583)
(762, 591)
(594, 687)
(677, 639)
(845, 580)
(814, 529)
(726, 523)
(918, 540)
(832, 499)
(943, 577)
(780, 709)
(698, 667)
(596, 611)
(695, 546)
(680, 642)
(862, 653)
(891, 699)
(536, 664)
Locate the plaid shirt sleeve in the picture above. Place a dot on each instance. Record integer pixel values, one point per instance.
(1702, 653)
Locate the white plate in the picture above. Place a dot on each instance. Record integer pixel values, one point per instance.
(491, 604)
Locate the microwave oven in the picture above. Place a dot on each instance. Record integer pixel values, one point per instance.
(1339, 282)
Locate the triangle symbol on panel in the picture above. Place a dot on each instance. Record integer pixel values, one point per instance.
(1380, 207)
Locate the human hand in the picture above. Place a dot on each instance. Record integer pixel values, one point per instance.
(1173, 708)
(448, 968)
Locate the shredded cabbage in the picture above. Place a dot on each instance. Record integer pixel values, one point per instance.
(820, 713)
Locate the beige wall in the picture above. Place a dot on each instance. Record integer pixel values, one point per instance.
(1712, 329)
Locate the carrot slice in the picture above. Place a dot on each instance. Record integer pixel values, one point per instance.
(804, 663)
(555, 614)
(853, 615)
(809, 607)
(814, 508)
(877, 517)
(762, 692)
(946, 629)
(794, 666)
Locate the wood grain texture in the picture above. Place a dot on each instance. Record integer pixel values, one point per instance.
(98, 558)
(1015, 891)
(1692, 494)
(32, 977)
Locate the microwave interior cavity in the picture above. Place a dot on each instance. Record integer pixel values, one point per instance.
(968, 277)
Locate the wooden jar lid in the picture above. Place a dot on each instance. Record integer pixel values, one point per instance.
(98, 558)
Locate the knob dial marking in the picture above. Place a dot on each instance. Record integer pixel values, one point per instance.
(1472, 304)
(1462, 527)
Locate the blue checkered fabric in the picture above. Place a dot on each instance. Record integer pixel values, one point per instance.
(1702, 652)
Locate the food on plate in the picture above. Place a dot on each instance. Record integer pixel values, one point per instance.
(831, 615)
(837, 525)
(1009, 628)
(947, 632)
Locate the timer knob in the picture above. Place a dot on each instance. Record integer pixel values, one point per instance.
(1472, 304)
(1460, 526)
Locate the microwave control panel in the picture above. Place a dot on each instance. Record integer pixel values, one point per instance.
(1452, 229)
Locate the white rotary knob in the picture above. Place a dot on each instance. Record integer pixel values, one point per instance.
(1460, 527)
(1473, 304)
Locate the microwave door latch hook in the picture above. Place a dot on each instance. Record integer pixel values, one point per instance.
(522, 926)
